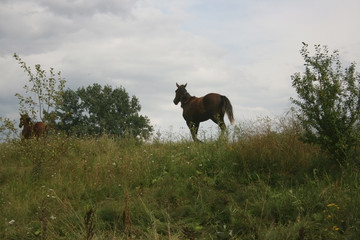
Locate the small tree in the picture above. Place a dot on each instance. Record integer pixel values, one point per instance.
(97, 110)
(44, 91)
(7, 129)
(329, 102)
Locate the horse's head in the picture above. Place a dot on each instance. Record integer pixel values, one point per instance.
(24, 120)
(179, 93)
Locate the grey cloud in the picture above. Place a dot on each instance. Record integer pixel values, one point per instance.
(31, 27)
(28, 28)
(72, 8)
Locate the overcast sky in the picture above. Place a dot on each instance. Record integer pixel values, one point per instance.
(244, 49)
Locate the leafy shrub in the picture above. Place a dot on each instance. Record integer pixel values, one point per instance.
(329, 102)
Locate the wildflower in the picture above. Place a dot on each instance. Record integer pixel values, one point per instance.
(52, 217)
(335, 228)
(12, 222)
(329, 216)
(333, 205)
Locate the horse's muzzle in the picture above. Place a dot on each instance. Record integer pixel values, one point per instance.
(176, 101)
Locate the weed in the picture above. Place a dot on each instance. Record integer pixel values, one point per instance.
(126, 215)
(262, 184)
(89, 224)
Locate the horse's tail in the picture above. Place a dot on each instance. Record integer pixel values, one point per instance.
(227, 108)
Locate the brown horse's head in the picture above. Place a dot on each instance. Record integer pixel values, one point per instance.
(24, 120)
(179, 93)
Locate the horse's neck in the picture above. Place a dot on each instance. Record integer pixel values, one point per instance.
(186, 98)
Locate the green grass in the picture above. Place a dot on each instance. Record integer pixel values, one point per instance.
(260, 185)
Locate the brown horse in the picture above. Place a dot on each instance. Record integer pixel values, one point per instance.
(195, 110)
(31, 129)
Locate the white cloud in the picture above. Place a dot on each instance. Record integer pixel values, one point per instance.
(246, 50)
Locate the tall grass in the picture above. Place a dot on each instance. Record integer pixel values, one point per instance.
(263, 183)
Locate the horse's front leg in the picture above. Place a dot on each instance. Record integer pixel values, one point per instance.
(194, 127)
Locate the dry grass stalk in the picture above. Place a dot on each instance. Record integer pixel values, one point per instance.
(44, 222)
(89, 224)
(126, 215)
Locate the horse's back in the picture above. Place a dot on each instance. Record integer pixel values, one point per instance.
(39, 128)
(212, 100)
(202, 109)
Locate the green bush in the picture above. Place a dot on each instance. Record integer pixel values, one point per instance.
(329, 103)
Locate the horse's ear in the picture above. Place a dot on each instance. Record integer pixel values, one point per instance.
(185, 85)
(177, 85)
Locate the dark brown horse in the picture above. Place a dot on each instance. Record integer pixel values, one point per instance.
(195, 110)
(31, 129)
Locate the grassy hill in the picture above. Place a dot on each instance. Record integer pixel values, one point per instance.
(260, 185)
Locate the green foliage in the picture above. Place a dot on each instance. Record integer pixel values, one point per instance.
(7, 129)
(329, 102)
(97, 110)
(44, 91)
(264, 185)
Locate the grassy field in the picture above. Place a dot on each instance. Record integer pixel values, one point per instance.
(260, 185)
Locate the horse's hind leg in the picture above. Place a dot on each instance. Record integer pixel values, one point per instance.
(194, 127)
(219, 120)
